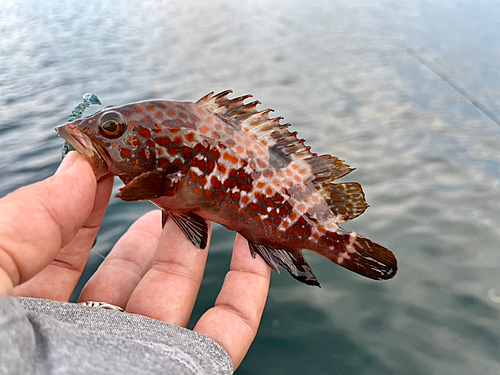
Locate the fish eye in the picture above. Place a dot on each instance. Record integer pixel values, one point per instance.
(112, 124)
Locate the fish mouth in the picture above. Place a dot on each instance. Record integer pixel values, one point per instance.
(94, 154)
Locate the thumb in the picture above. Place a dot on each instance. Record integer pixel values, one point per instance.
(36, 221)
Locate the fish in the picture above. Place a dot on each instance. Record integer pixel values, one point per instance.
(223, 160)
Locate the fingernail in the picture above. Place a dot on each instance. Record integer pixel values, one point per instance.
(67, 162)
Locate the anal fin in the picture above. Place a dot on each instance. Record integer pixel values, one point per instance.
(291, 260)
(194, 227)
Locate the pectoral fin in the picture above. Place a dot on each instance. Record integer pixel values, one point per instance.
(149, 185)
(291, 260)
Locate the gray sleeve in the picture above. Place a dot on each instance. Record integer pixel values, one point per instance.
(49, 337)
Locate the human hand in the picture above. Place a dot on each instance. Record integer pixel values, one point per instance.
(46, 234)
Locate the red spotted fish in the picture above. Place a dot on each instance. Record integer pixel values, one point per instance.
(222, 160)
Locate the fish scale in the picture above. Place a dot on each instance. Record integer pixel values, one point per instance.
(222, 160)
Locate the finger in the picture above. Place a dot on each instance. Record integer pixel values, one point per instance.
(126, 264)
(40, 219)
(169, 289)
(235, 318)
(58, 280)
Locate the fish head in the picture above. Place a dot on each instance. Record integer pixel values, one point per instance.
(110, 141)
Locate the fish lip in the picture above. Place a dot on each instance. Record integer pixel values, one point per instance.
(84, 145)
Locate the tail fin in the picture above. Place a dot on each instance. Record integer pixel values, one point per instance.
(358, 254)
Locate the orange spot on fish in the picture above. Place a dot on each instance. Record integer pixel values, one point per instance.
(204, 129)
(197, 191)
(293, 215)
(183, 116)
(280, 174)
(125, 152)
(315, 198)
(172, 150)
(133, 141)
(126, 112)
(277, 221)
(162, 106)
(203, 180)
(215, 153)
(163, 141)
(174, 130)
(215, 135)
(239, 149)
(297, 178)
(194, 177)
(171, 113)
(190, 137)
(178, 162)
(138, 109)
(201, 111)
(163, 163)
(116, 144)
(208, 193)
(276, 182)
(210, 166)
(210, 119)
(245, 199)
(145, 154)
(321, 228)
(150, 143)
(253, 206)
(194, 118)
(268, 173)
(261, 163)
(243, 211)
(202, 165)
(147, 120)
(221, 168)
(186, 152)
(158, 115)
(159, 151)
(215, 182)
(261, 184)
(178, 140)
(178, 122)
(144, 133)
(269, 191)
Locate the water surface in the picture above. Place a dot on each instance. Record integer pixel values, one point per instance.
(345, 74)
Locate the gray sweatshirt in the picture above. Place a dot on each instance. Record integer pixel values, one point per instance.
(48, 337)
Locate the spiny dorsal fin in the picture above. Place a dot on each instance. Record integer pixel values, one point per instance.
(319, 170)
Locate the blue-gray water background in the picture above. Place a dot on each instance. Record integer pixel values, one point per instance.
(348, 75)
